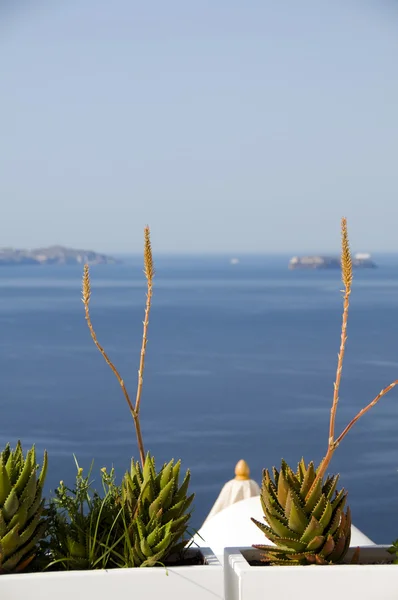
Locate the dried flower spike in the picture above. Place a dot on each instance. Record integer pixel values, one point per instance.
(346, 262)
(148, 261)
(86, 285)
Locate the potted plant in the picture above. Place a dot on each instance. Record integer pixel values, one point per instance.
(94, 543)
(308, 526)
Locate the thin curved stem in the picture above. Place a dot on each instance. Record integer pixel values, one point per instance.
(365, 410)
(339, 367)
(86, 300)
(143, 348)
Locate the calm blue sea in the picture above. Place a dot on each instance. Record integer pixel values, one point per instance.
(240, 364)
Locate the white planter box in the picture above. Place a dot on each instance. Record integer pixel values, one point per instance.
(199, 582)
(363, 581)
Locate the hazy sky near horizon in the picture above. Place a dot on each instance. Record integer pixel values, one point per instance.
(228, 126)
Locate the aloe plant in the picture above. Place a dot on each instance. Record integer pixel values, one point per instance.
(303, 510)
(155, 510)
(307, 522)
(22, 521)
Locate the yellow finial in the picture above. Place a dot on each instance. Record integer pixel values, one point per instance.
(242, 471)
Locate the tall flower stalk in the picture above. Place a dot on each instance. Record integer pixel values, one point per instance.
(333, 442)
(306, 517)
(86, 295)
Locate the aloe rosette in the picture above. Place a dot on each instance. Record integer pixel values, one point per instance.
(156, 511)
(22, 524)
(305, 517)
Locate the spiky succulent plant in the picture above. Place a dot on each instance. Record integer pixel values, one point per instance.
(22, 524)
(306, 522)
(156, 511)
(304, 513)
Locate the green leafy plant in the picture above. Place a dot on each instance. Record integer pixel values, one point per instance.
(84, 532)
(157, 511)
(303, 510)
(394, 551)
(154, 509)
(305, 529)
(22, 521)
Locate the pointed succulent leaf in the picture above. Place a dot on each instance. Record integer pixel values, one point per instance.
(5, 483)
(288, 506)
(163, 500)
(335, 522)
(175, 511)
(5, 454)
(269, 489)
(290, 544)
(272, 506)
(12, 468)
(24, 475)
(30, 530)
(154, 537)
(141, 528)
(313, 498)
(20, 517)
(163, 544)
(20, 559)
(308, 480)
(280, 529)
(43, 472)
(176, 473)
(339, 500)
(166, 474)
(326, 516)
(292, 479)
(148, 471)
(298, 519)
(316, 543)
(275, 473)
(320, 507)
(179, 524)
(330, 487)
(313, 529)
(301, 470)
(29, 491)
(37, 505)
(145, 548)
(3, 525)
(135, 472)
(338, 551)
(182, 492)
(11, 505)
(282, 490)
(9, 543)
(267, 531)
(137, 548)
(328, 546)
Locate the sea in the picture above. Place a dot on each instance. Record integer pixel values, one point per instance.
(241, 360)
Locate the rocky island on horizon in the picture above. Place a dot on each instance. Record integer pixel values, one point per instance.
(53, 255)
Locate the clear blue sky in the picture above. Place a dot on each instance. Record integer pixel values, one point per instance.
(228, 126)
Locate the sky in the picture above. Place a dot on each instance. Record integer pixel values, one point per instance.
(227, 126)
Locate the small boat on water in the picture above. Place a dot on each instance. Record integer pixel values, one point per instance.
(360, 260)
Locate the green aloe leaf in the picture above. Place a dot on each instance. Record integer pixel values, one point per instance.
(298, 519)
(5, 483)
(282, 490)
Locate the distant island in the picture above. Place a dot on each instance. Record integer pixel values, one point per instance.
(359, 260)
(54, 255)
